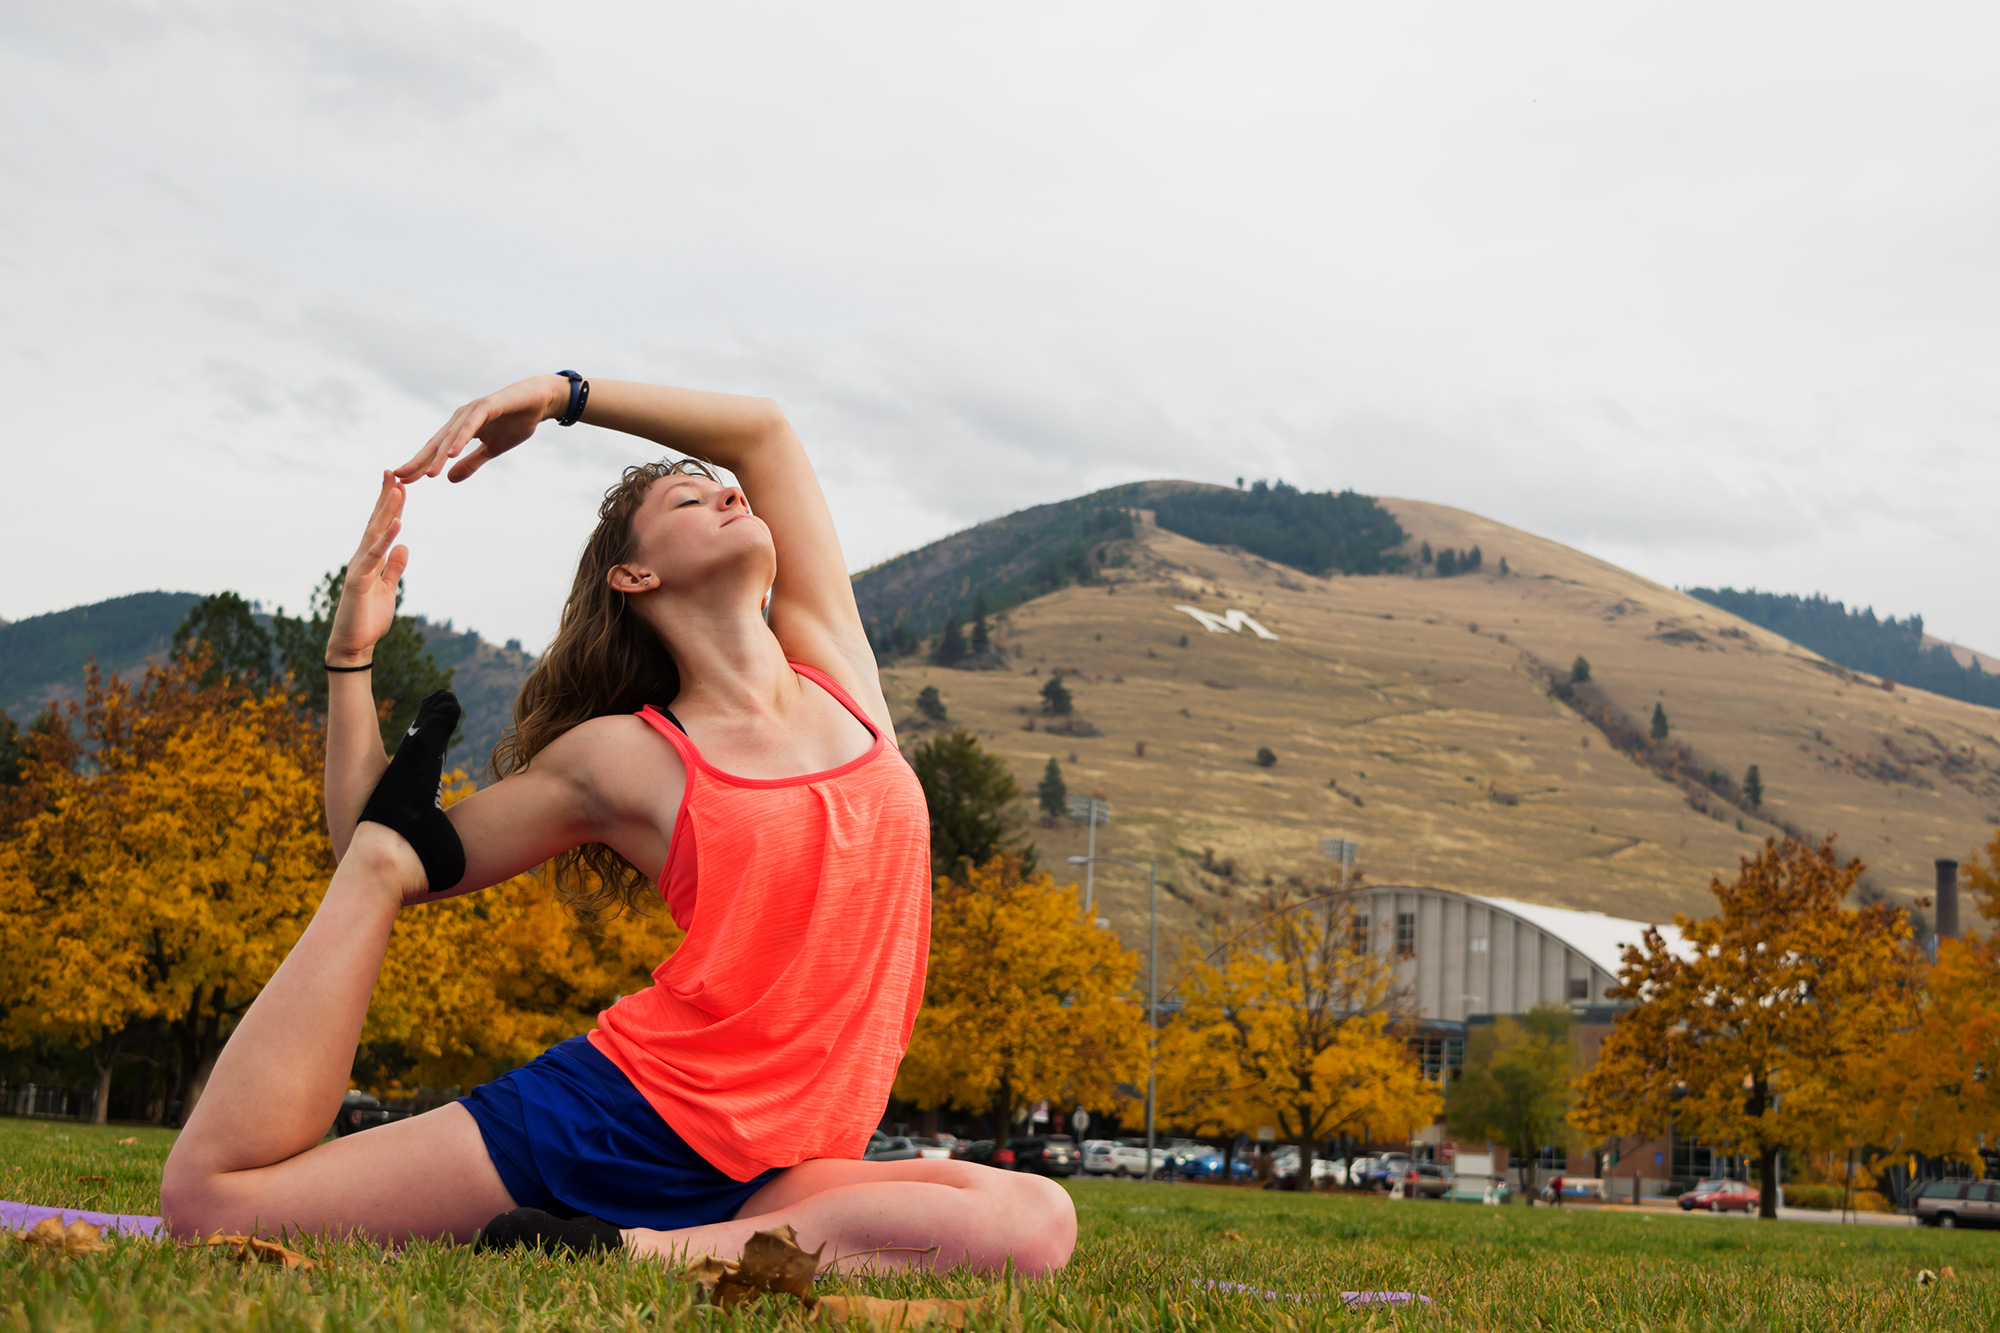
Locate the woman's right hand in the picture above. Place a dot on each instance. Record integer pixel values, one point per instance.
(368, 594)
(499, 421)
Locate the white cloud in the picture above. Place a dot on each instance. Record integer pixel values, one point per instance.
(1705, 290)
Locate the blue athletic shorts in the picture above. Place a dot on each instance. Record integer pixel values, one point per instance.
(570, 1135)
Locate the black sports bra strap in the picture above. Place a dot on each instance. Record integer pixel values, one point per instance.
(668, 714)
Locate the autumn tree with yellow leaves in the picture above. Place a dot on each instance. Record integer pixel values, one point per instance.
(166, 846)
(1293, 1023)
(1750, 1036)
(1024, 999)
(1932, 1087)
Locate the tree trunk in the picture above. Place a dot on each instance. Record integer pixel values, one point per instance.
(1529, 1176)
(1767, 1185)
(100, 1104)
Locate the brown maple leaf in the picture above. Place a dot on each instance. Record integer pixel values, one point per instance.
(772, 1262)
(249, 1249)
(79, 1237)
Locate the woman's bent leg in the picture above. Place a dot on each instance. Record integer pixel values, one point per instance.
(250, 1155)
(893, 1214)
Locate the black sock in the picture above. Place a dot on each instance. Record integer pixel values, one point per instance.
(410, 796)
(531, 1228)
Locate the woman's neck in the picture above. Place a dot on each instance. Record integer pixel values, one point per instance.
(729, 660)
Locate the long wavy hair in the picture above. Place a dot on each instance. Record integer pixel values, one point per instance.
(603, 661)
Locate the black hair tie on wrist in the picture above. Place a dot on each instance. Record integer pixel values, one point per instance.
(331, 667)
(579, 394)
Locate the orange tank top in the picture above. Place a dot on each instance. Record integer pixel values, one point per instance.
(772, 1034)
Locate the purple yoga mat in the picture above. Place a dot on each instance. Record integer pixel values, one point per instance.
(21, 1216)
(1350, 1297)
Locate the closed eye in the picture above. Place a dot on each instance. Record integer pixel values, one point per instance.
(691, 500)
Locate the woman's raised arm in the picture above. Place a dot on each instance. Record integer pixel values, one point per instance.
(813, 612)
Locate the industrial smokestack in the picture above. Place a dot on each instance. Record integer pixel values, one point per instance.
(1947, 899)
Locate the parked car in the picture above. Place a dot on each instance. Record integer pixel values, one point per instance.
(886, 1148)
(1957, 1203)
(1211, 1165)
(1326, 1170)
(984, 1152)
(1045, 1154)
(936, 1148)
(1426, 1180)
(1720, 1196)
(1127, 1158)
(363, 1110)
(1097, 1158)
(1381, 1173)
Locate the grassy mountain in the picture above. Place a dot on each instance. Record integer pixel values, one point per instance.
(1891, 648)
(1433, 720)
(1001, 563)
(42, 658)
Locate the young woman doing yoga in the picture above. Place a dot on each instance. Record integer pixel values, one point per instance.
(671, 741)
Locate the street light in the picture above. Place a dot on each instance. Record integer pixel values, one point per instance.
(1152, 976)
(1098, 811)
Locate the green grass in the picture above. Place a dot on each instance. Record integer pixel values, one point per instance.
(1143, 1252)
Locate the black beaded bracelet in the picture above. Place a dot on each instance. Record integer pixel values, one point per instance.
(331, 667)
(579, 394)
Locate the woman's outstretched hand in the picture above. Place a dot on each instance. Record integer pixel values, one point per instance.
(499, 421)
(368, 595)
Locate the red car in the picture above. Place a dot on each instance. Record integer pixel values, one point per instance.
(1720, 1196)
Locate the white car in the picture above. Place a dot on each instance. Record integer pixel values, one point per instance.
(1122, 1158)
(1285, 1166)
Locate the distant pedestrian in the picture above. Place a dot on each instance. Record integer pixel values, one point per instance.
(1556, 1192)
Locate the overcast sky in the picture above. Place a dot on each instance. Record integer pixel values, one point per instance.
(1707, 290)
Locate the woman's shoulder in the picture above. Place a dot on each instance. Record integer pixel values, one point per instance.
(604, 750)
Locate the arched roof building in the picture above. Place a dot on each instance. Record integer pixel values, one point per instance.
(1466, 957)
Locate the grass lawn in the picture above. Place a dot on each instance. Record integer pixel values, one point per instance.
(1144, 1255)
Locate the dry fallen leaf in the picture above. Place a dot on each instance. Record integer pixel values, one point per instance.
(93, 1180)
(878, 1313)
(250, 1248)
(1232, 1235)
(126, 1143)
(772, 1262)
(1946, 1272)
(79, 1237)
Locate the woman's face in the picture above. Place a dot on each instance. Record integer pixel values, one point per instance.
(691, 532)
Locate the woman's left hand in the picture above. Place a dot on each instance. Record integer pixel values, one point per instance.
(499, 421)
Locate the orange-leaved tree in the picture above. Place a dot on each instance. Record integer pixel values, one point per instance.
(1293, 1023)
(1024, 999)
(166, 868)
(478, 984)
(1749, 1036)
(1933, 1087)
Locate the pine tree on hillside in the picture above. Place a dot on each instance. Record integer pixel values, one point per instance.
(1447, 563)
(1474, 561)
(1659, 723)
(1055, 698)
(980, 641)
(1753, 787)
(237, 645)
(950, 648)
(1052, 793)
(1579, 671)
(1424, 554)
(930, 703)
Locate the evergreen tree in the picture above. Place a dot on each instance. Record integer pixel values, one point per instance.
(950, 650)
(1753, 787)
(974, 803)
(1055, 698)
(1052, 794)
(980, 641)
(1473, 561)
(1447, 563)
(238, 646)
(10, 752)
(930, 703)
(1579, 671)
(1504, 571)
(1424, 555)
(1659, 723)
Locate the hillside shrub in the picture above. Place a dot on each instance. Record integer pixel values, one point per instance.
(930, 703)
(1056, 699)
(1265, 758)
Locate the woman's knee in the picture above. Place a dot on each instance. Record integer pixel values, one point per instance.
(1043, 1223)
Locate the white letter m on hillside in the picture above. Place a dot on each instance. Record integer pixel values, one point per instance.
(1226, 623)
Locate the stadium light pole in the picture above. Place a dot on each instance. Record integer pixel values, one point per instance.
(1152, 977)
